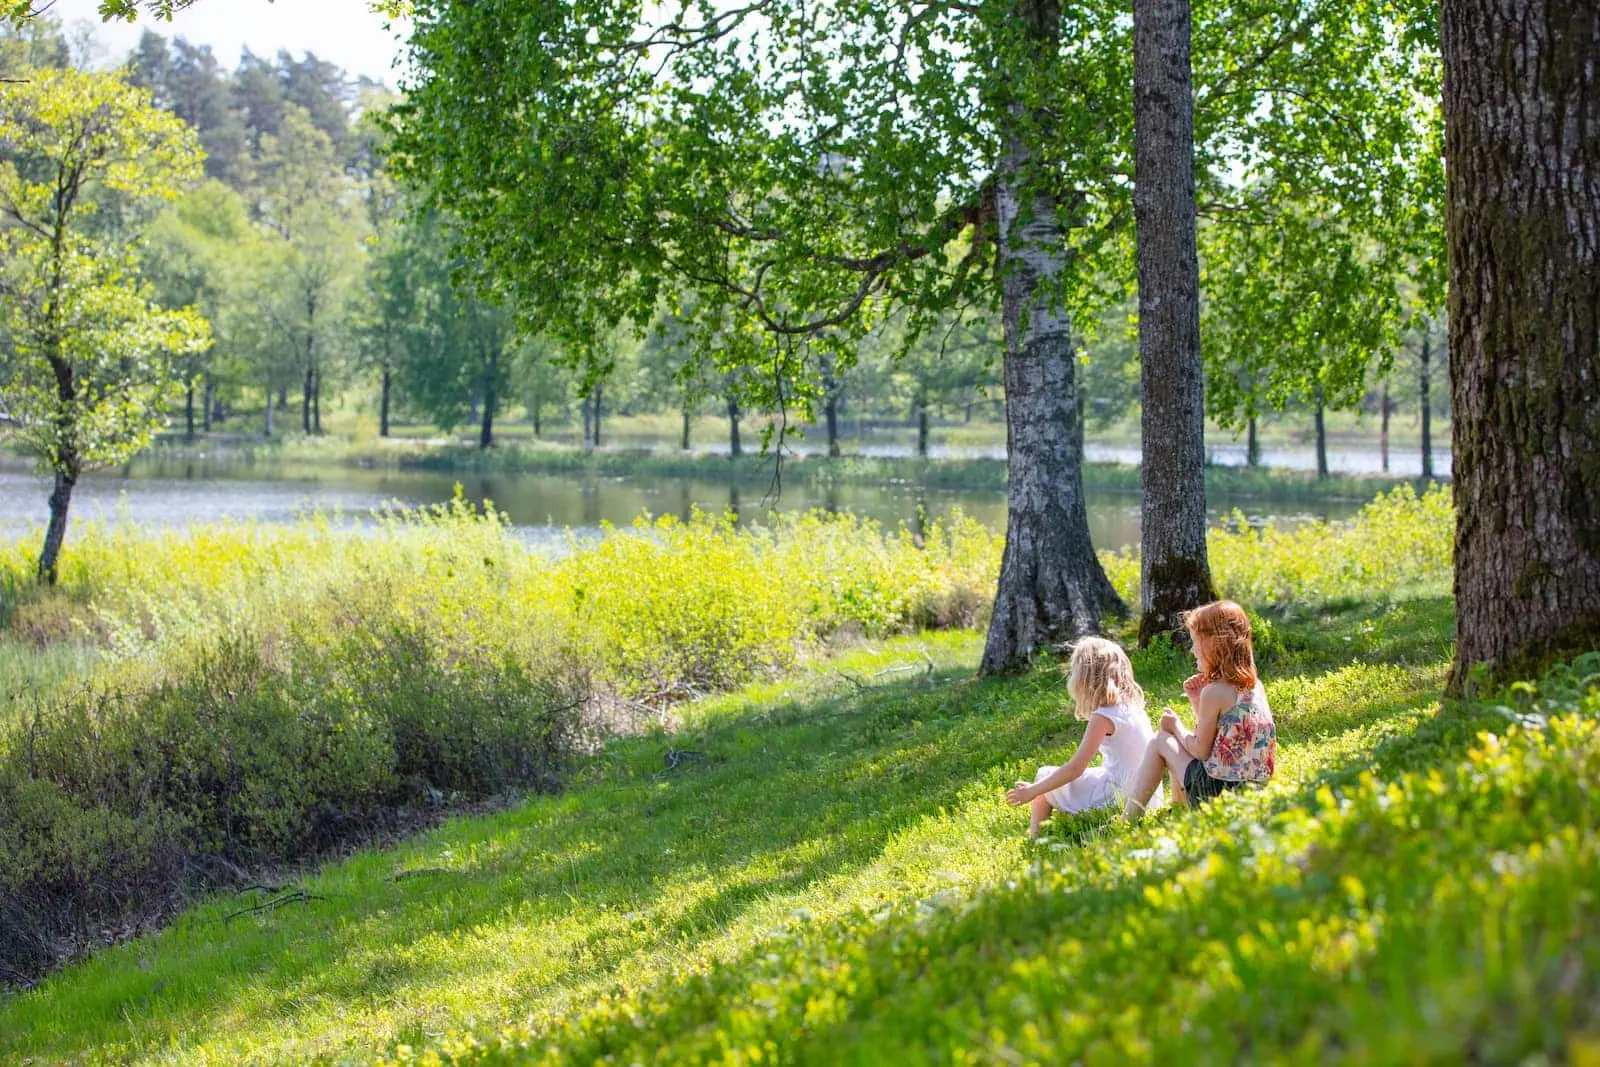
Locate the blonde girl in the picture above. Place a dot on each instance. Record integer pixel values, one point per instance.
(1234, 740)
(1106, 696)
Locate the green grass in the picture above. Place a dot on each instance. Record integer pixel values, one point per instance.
(827, 822)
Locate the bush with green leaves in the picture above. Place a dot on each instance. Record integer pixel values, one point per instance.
(115, 803)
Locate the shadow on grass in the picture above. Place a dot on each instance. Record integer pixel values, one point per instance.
(639, 861)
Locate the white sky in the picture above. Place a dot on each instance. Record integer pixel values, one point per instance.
(346, 32)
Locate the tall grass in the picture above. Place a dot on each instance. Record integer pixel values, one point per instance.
(265, 693)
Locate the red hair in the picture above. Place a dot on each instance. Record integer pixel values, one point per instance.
(1221, 633)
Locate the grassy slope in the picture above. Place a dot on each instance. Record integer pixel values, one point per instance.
(805, 804)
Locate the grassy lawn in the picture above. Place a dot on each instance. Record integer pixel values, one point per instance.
(771, 821)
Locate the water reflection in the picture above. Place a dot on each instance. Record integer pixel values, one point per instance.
(176, 493)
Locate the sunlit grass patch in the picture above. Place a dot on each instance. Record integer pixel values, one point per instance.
(781, 819)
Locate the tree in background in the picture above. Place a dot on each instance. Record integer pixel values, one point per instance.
(203, 253)
(1520, 83)
(314, 237)
(91, 363)
(454, 362)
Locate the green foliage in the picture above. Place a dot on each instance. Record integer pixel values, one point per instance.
(114, 801)
(89, 369)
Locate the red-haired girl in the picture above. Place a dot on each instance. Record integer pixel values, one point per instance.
(1234, 739)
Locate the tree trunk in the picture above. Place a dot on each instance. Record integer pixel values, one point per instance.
(1322, 434)
(486, 427)
(684, 444)
(830, 408)
(1252, 445)
(1425, 381)
(188, 410)
(588, 422)
(316, 402)
(283, 397)
(599, 397)
(383, 401)
(1052, 587)
(1383, 426)
(922, 431)
(268, 406)
(56, 533)
(1175, 574)
(1523, 226)
(734, 448)
(535, 406)
(211, 412)
(305, 401)
(218, 411)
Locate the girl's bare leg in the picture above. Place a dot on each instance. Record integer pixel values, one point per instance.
(1163, 756)
(1040, 810)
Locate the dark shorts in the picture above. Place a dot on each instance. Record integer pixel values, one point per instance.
(1201, 786)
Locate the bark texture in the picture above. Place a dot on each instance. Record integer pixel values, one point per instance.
(1051, 587)
(56, 532)
(1522, 136)
(1425, 383)
(1175, 574)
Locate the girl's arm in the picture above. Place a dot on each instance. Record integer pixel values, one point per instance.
(1212, 702)
(1098, 730)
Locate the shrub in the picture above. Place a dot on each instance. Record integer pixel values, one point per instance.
(116, 803)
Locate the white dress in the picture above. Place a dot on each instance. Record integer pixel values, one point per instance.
(1120, 755)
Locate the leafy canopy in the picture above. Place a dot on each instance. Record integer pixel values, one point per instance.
(802, 168)
(87, 369)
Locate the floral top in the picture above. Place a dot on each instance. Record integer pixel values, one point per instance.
(1246, 748)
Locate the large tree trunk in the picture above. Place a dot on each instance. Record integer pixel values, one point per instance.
(383, 402)
(269, 408)
(1425, 382)
(684, 443)
(1522, 134)
(1052, 587)
(283, 397)
(1175, 574)
(599, 399)
(735, 450)
(188, 410)
(588, 422)
(316, 402)
(56, 532)
(212, 409)
(922, 431)
(1252, 445)
(1322, 432)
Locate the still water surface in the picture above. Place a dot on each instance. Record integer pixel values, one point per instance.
(168, 493)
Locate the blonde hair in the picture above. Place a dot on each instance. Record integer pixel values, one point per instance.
(1221, 631)
(1100, 676)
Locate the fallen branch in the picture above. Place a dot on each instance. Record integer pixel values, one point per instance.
(295, 896)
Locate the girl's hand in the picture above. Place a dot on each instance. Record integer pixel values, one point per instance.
(1169, 722)
(1021, 793)
(1193, 684)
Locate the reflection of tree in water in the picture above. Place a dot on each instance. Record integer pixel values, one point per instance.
(591, 503)
(733, 499)
(685, 501)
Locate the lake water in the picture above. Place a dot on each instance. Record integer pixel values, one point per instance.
(154, 493)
